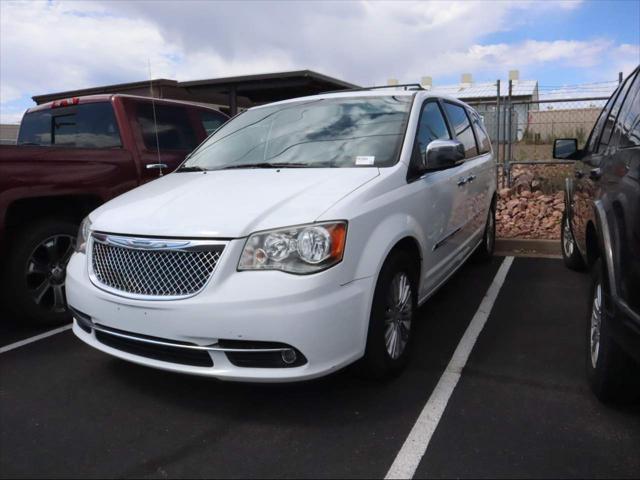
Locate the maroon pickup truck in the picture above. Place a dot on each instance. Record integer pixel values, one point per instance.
(71, 156)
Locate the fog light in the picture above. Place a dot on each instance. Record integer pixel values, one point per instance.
(289, 356)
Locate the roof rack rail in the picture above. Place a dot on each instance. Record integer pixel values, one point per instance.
(406, 86)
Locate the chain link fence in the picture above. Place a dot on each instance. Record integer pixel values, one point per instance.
(523, 126)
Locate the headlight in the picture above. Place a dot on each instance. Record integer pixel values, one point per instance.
(302, 249)
(83, 235)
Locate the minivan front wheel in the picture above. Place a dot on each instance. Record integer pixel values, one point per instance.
(392, 316)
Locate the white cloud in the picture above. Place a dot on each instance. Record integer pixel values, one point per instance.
(55, 46)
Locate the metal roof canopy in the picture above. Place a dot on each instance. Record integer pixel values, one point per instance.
(244, 90)
(268, 87)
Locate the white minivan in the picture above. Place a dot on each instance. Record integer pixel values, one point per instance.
(299, 238)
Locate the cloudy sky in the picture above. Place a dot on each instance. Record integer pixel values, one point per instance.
(58, 45)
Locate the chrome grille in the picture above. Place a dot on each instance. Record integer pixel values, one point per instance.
(154, 270)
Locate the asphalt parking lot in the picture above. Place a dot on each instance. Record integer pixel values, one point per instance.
(521, 408)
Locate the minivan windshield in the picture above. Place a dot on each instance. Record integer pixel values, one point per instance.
(320, 133)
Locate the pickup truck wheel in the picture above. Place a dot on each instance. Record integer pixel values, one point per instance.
(611, 373)
(36, 268)
(485, 249)
(570, 254)
(389, 338)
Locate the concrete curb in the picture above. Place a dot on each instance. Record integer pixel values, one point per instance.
(526, 247)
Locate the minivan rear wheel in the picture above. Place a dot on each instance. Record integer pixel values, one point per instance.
(485, 249)
(389, 339)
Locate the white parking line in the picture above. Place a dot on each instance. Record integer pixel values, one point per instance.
(27, 341)
(415, 446)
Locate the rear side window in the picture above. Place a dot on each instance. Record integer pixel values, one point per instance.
(211, 121)
(484, 143)
(92, 125)
(432, 127)
(173, 126)
(629, 120)
(462, 128)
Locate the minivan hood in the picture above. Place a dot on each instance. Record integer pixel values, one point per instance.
(228, 203)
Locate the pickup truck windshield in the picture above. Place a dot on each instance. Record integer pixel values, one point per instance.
(322, 133)
(90, 125)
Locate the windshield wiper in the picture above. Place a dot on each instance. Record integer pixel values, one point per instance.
(191, 168)
(266, 165)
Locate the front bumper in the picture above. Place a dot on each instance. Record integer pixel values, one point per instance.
(318, 315)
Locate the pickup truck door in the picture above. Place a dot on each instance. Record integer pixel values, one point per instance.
(167, 133)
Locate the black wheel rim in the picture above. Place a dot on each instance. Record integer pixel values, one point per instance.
(45, 272)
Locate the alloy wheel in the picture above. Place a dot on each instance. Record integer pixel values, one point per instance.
(596, 321)
(567, 238)
(398, 315)
(45, 272)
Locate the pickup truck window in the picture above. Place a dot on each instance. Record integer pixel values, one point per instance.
(175, 131)
(322, 133)
(91, 125)
(462, 128)
(211, 121)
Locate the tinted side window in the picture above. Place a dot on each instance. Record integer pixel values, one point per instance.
(629, 120)
(597, 129)
(462, 128)
(174, 129)
(481, 134)
(211, 121)
(431, 127)
(92, 125)
(613, 113)
(35, 128)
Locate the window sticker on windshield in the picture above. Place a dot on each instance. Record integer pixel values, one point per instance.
(365, 160)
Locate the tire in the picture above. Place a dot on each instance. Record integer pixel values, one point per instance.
(570, 253)
(611, 373)
(35, 271)
(390, 338)
(484, 252)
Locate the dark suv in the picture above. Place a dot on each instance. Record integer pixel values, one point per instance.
(601, 231)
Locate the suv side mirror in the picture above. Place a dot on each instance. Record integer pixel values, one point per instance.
(441, 154)
(565, 148)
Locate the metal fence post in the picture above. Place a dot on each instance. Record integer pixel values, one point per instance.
(497, 122)
(509, 135)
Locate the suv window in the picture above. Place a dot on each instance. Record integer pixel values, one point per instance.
(629, 120)
(432, 126)
(173, 125)
(484, 143)
(92, 125)
(462, 128)
(595, 133)
(613, 113)
(211, 121)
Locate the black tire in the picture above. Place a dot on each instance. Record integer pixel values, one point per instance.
(611, 373)
(570, 253)
(38, 253)
(484, 252)
(378, 361)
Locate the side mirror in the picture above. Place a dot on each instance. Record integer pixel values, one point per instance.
(565, 148)
(441, 154)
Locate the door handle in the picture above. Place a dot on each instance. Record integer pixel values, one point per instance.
(471, 178)
(156, 166)
(461, 182)
(595, 173)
